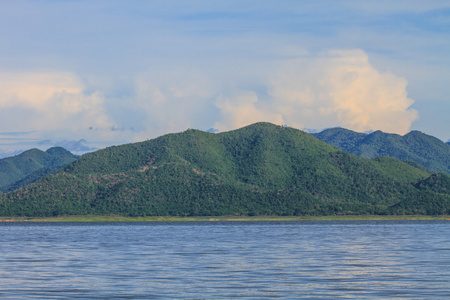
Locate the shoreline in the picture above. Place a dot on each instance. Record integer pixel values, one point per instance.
(225, 218)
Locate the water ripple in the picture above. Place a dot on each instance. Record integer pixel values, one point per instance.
(250, 260)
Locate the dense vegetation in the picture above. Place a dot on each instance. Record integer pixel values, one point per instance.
(262, 169)
(413, 148)
(31, 165)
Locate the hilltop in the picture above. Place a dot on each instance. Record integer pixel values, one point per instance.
(415, 147)
(31, 165)
(261, 169)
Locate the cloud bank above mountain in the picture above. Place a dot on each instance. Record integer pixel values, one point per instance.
(339, 88)
(132, 71)
(336, 88)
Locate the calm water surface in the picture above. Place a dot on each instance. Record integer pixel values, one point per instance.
(204, 260)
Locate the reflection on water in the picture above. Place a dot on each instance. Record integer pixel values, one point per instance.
(318, 260)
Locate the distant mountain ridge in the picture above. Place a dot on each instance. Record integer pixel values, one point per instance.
(415, 146)
(261, 169)
(29, 166)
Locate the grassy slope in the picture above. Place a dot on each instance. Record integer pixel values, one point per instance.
(260, 169)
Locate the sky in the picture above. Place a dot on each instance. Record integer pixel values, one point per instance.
(90, 74)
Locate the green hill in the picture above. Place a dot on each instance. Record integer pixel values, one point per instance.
(262, 169)
(31, 165)
(414, 147)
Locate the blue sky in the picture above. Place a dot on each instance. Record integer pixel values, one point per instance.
(89, 74)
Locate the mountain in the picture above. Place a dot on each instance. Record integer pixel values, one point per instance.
(31, 165)
(414, 147)
(261, 169)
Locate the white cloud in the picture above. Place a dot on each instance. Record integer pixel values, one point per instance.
(361, 98)
(244, 109)
(338, 88)
(33, 89)
(52, 103)
(171, 101)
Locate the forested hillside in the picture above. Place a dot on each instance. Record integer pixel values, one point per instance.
(31, 165)
(262, 169)
(414, 147)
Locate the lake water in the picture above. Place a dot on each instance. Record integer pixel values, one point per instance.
(205, 260)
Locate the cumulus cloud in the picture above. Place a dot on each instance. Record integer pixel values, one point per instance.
(172, 101)
(52, 103)
(338, 88)
(32, 89)
(361, 98)
(244, 109)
